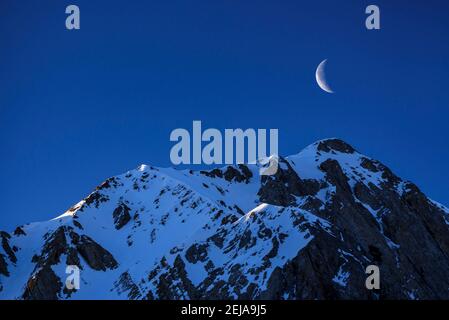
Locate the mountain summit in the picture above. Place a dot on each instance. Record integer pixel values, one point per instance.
(307, 232)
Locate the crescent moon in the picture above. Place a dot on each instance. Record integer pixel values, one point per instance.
(320, 76)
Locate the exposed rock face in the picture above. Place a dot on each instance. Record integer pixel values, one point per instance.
(241, 173)
(3, 266)
(125, 284)
(19, 232)
(174, 284)
(121, 216)
(281, 188)
(44, 285)
(6, 247)
(54, 246)
(332, 145)
(6, 254)
(95, 255)
(307, 232)
(197, 252)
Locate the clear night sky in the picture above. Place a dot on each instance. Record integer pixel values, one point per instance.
(79, 106)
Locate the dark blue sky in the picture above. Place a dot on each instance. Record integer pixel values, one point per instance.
(79, 106)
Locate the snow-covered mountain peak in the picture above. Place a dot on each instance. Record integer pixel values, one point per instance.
(307, 231)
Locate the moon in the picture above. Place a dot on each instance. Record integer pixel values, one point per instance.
(320, 76)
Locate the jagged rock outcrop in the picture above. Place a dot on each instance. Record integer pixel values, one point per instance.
(125, 284)
(282, 188)
(44, 284)
(3, 266)
(95, 255)
(5, 237)
(121, 216)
